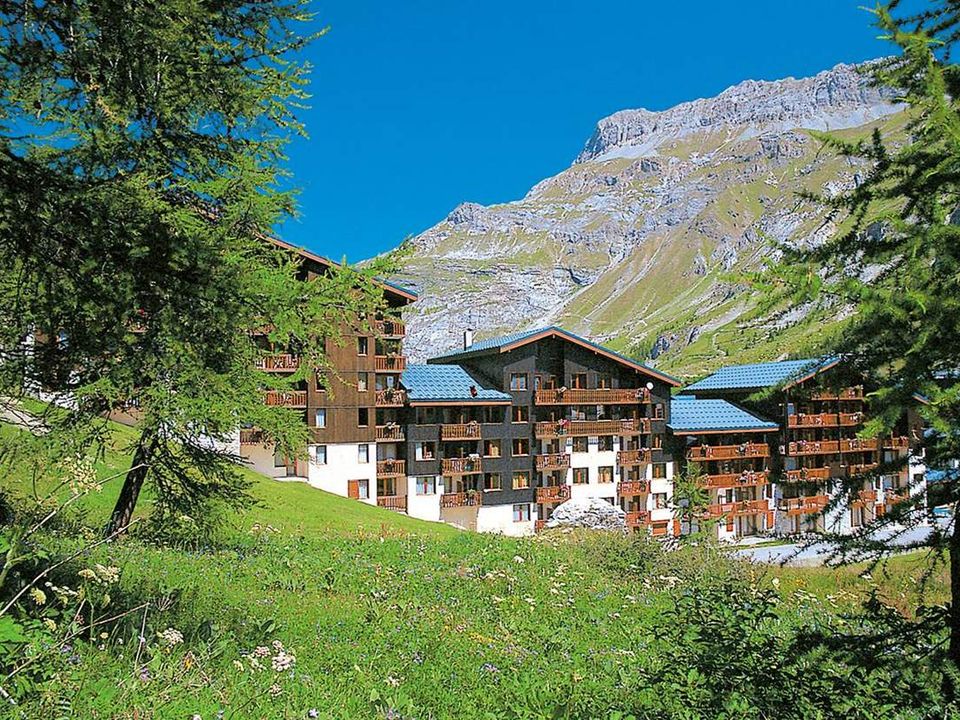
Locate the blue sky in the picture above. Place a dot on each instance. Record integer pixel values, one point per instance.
(418, 106)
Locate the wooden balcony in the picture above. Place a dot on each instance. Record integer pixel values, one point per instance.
(462, 431)
(818, 420)
(279, 362)
(391, 397)
(390, 363)
(461, 466)
(895, 496)
(896, 443)
(861, 468)
(633, 487)
(552, 494)
(452, 500)
(813, 447)
(391, 468)
(637, 519)
(251, 436)
(864, 498)
(744, 507)
(598, 396)
(634, 457)
(808, 505)
(851, 419)
(539, 525)
(389, 328)
(731, 480)
(391, 432)
(553, 461)
(287, 398)
(562, 428)
(728, 452)
(808, 474)
(851, 393)
(393, 502)
(859, 445)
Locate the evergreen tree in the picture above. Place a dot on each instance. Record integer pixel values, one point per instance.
(897, 263)
(141, 155)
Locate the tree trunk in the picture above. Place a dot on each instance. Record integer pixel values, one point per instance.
(954, 651)
(132, 483)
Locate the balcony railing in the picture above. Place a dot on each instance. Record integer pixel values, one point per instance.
(552, 494)
(633, 487)
(391, 468)
(864, 498)
(861, 468)
(744, 507)
(597, 396)
(859, 445)
(389, 328)
(813, 447)
(817, 420)
(390, 363)
(852, 393)
(452, 500)
(634, 457)
(393, 502)
(391, 397)
(894, 496)
(461, 431)
(462, 466)
(280, 362)
(637, 519)
(896, 443)
(287, 398)
(744, 479)
(251, 436)
(553, 461)
(808, 505)
(850, 419)
(808, 474)
(728, 452)
(561, 428)
(539, 525)
(390, 432)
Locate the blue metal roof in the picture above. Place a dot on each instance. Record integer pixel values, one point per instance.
(759, 375)
(498, 343)
(446, 383)
(692, 414)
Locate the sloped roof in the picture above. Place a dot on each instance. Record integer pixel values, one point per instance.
(762, 375)
(690, 414)
(446, 383)
(507, 343)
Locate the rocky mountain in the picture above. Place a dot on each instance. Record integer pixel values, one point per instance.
(638, 244)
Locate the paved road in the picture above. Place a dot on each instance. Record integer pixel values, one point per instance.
(819, 553)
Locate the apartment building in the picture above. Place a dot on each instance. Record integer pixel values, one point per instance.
(817, 447)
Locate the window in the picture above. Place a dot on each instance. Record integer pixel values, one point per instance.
(521, 414)
(521, 480)
(318, 454)
(321, 385)
(606, 443)
(659, 470)
(363, 453)
(604, 381)
(320, 418)
(518, 381)
(363, 417)
(424, 451)
(521, 446)
(521, 513)
(363, 345)
(659, 501)
(363, 489)
(658, 411)
(581, 476)
(492, 481)
(491, 448)
(426, 416)
(605, 474)
(580, 444)
(362, 382)
(426, 485)
(578, 380)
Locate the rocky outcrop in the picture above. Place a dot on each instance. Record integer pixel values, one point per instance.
(589, 513)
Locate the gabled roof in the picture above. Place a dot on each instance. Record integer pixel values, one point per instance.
(757, 376)
(510, 342)
(689, 414)
(390, 287)
(429, 384)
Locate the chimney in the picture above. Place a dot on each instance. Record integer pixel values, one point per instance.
(467, 338)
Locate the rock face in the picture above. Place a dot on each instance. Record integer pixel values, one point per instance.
(639, 242)
(592, 513)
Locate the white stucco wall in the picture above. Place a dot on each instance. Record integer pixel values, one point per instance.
(343, 465)
(425, 507)
(499, 519)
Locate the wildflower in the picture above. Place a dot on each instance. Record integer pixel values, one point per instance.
(313, 713)
(170, 637)
(108, 575)
(104, 636)
(106, 599)
(50, 624)
(275, 690)
(38, 596)
(196, 716)
(283, 661)
(238, 665)
(261, 651)
(392, 681)
(518, 560)
(490, 668)
(87, 574)
(775, 582)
